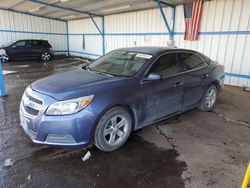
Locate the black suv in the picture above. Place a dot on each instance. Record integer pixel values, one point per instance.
(27, 49)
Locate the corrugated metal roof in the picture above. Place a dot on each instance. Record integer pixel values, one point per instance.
(57, 8)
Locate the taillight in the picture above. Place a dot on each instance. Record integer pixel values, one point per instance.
(50, 47)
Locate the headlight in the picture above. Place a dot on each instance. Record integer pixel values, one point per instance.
(69, 106)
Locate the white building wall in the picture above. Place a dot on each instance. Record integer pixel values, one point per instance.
(139, 28)
(14, 26)
(225, 34)
(93, 38)
(225, 37)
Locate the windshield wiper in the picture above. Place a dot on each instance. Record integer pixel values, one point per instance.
(99, 72)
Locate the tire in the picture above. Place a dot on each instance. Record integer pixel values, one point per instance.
(110, 133)
(209, 99)
(45, 56)
(5, 57)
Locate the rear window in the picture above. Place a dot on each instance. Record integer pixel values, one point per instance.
(45, 42)
(191, 61)
(205, 58)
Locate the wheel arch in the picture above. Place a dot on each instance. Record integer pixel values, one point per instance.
(131, 111)
(216, 84)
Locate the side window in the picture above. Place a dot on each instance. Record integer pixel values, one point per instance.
(28, 43)
(166, 65)
(36, 43)
(20, 44)
(191, 61)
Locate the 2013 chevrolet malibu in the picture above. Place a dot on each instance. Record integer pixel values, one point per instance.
(123, 91)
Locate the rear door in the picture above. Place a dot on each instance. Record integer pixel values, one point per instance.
(28, 50)
(194, 76)
(37, 48)
(163, 97)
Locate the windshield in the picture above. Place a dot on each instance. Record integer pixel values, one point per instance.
(120, 63)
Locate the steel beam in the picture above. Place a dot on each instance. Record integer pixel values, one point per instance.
(93, 20)
(171, 31)
(173, 22)
(163, 16)
(64, 8)
(30, 14)
(67, 30)
(167, 4)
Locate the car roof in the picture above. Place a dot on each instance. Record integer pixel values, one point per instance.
(30, 39)
(153, 50)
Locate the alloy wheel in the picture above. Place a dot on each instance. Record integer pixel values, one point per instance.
(115, 130)
(45, 56)
(211, 98)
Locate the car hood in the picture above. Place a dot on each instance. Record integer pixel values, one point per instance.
(4, 46)
(76, 83)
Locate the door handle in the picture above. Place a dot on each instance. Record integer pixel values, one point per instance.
(205, 76)
(178, 84)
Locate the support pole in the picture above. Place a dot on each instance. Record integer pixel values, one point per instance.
(173, 22)
(103, 36)
(163, 16)
(93, 20)
(171, 31)
(101, 31)
(67, 30)
(2, 88)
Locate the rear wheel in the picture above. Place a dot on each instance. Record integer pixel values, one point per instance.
(113, 129)
(209, 99)
(45, 56)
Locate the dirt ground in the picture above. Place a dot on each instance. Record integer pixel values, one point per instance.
(195, 149)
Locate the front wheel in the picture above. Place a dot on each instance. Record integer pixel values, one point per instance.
(45, 56)
(5, 57)
(209, 99)
(113, 129)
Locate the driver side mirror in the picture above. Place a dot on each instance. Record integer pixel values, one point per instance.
(86, 64)
(14, 46)
(152, 77)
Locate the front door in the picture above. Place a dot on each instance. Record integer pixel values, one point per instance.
(161, 98)
(17, 49)
(21, 49)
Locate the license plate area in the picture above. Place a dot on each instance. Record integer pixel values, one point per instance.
(24, 122)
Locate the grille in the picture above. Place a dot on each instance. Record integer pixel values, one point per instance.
(31, 103)
(35, 100)
(31, 111)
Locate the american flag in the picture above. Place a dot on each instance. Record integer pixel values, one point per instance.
(192, 15)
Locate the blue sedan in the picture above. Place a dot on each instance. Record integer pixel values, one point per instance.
(123, 91)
